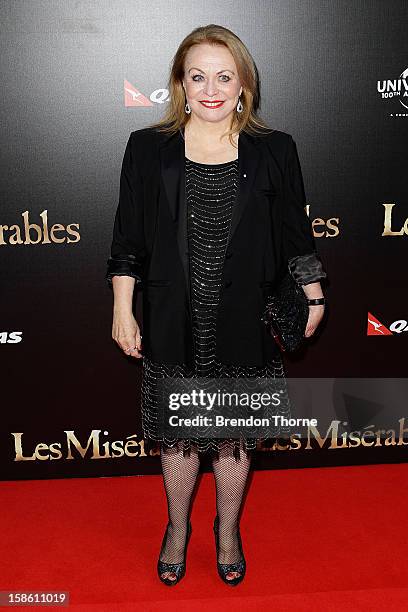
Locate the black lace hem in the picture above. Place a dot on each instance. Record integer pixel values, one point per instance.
(246, 445)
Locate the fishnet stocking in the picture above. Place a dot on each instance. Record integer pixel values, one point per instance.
(179, 476)
(230, 481)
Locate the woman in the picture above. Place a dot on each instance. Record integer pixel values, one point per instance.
(205, 225)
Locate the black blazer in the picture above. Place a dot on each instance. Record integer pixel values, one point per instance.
(270, 232)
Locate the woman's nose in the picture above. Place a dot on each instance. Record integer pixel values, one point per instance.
(210, 88)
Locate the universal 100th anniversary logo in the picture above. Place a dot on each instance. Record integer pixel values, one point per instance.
(98, 445)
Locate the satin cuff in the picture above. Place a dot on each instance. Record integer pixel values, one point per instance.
(307, 268)
(122, 265)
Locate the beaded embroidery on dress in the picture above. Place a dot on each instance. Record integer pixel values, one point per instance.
(210, 193)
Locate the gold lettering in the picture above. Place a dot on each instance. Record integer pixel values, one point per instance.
(378, 435)
(132, 443)
(73, 232)
(387, 222)
(2, 227)
(28, 227)
(55, 448)
(94, 438)
(318, 222)
(16, 237)
(390, 441)
(368, 433)
(332, 226)
(18, 448)
(44, 218)
(402, 430)
(354, 436)
(57, 227)
(41, 446)
(36, 234)
(117, 445)
(333, 431)
(296, 440)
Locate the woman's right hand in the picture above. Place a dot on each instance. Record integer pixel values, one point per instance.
(126, 333)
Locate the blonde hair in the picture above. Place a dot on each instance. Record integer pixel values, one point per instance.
(175, 116)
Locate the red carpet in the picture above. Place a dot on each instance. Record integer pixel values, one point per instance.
(325, 539)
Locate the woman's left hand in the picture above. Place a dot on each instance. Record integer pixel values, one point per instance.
(316, 313)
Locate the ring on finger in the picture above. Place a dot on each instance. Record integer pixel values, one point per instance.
(130, 349)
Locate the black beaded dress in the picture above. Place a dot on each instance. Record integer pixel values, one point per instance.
(210, 193)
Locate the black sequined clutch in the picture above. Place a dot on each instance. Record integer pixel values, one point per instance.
(286, 314)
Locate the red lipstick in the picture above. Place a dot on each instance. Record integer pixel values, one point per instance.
(212, 103)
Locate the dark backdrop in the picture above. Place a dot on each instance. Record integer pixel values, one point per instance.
(331, 75)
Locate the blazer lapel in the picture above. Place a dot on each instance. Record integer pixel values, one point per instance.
(248, 161)
(173, 176)
(172, 153)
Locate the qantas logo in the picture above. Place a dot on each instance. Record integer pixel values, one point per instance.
(134, 97)
(376, 328)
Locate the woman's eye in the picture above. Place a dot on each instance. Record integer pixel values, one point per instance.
(225, 77)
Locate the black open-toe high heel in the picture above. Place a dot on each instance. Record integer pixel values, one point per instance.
(225, 568)
(176, 568)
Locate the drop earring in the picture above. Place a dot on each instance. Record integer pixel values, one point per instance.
(240, 108)
(187, 108)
